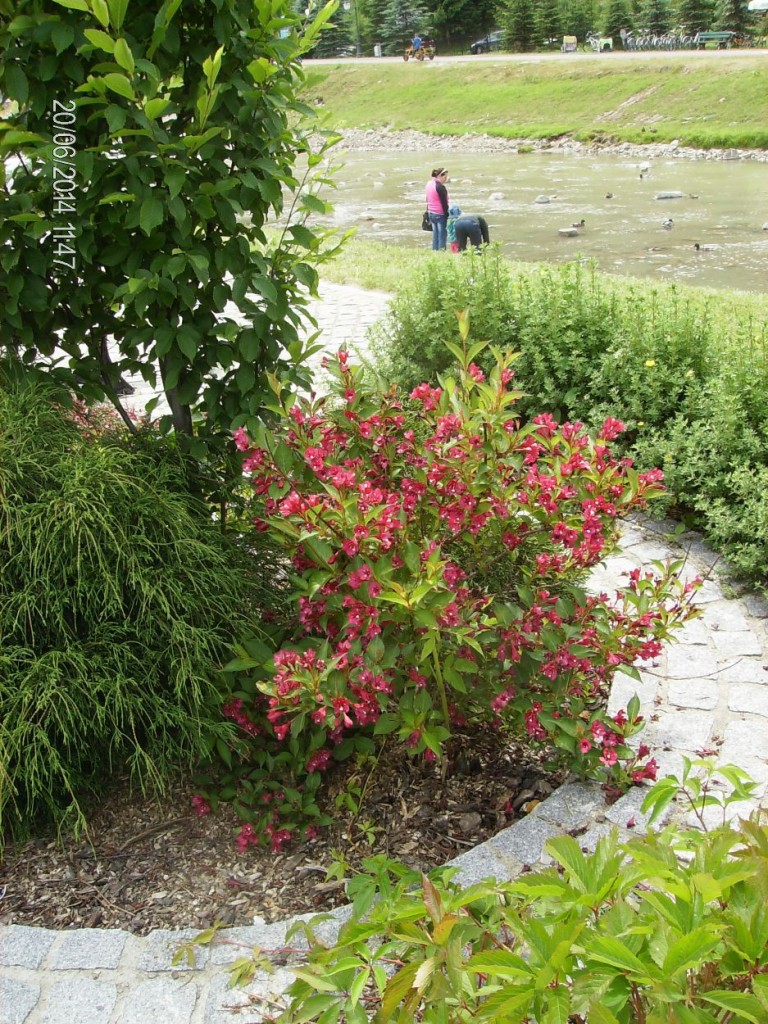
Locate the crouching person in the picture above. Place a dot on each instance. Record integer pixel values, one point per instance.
(470, 227)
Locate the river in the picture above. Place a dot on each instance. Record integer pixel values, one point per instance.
(723, 207)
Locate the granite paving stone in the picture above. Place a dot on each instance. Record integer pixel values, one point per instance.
(694, 632)
(482, 862)
(525, 841)
(161, 946)
(756, 605)
(166, 1000)
(743, 670)
(744, 737)
(703, 694)
(691, 662)
(17, 1000)
(684, 730)
(570, 805)
(79, 1000)
(742, 644)
(21, 946)
(749, 698)
(725, 615)
(86, 948)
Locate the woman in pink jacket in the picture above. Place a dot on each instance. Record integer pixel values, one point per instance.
(437, 206)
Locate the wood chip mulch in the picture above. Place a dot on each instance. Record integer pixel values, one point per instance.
(150, 862)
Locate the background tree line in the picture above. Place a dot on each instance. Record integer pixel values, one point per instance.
(526, 24)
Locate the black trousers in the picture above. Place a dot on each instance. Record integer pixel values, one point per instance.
(471, 229)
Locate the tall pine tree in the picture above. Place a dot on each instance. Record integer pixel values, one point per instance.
(516, 18)
(731, 16)
(695, 15)
(655, 16)
(548, 21)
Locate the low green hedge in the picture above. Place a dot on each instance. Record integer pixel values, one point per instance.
(685, 369)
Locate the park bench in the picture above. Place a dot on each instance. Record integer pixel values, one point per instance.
(723, 39)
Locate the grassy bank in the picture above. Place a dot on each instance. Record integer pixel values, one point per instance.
(717, 101)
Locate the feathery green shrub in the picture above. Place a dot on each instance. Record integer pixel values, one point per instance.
(118, 598)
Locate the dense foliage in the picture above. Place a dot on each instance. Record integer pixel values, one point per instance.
(118, 599)
(667, 927)
(438, 549)
(689, 384)
(146, 148)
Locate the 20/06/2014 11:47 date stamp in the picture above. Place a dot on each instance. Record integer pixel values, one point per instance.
(64, 182)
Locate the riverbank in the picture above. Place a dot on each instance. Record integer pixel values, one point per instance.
(701, 102)
(385, 139)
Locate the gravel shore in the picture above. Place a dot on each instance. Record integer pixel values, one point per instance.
(419, 142)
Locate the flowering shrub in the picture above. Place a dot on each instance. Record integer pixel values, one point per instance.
(438, 549)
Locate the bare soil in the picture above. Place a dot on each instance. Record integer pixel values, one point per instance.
(150, 862)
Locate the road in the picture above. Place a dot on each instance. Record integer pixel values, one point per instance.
(540, 58)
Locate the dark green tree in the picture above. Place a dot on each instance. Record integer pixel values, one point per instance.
(695, 15)
(617, 16)
(463, 19)
(402, 19)
(580, 17)
(548, 21)
(516, 18)
(731, 16)
(656, 16)
(150, 144)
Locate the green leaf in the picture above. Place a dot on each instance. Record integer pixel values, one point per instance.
(101, 11)
(100, 39)
(742, 1003)
(117, 9)
(117, 197)
(155, 108)
(249, 344)
(760, 988)
(397, 989)
(315, 981)
(187, 339)
(151, 214)
(224, 752)
(558, 1006)
(386, 723)
(687, 951)
(119, 84)
(499, 964)
(600, 1014)
(607, 950)
(123, 55)
(567, 852)
(73, 5)
(16, 84)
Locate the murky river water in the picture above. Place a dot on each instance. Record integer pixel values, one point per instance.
(724, 206)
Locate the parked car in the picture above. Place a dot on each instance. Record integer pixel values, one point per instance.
(490, 42)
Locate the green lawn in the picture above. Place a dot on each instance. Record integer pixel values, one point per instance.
(712, 101)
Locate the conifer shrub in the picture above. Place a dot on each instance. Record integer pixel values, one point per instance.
(118, 597)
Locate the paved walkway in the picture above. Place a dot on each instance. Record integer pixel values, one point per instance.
(709, 690)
